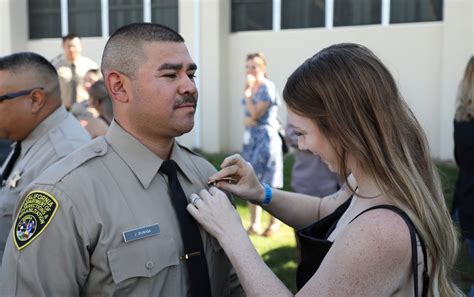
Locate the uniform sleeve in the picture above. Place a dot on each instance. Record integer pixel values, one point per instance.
(46, 253)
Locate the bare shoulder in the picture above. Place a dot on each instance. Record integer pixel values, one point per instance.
(371, 257)
(381, 230)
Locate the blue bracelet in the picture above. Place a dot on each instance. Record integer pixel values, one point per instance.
(268, 194)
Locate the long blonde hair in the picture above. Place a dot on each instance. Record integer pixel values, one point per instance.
(465, 100)
(354, 100)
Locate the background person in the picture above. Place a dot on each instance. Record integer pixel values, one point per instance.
(262, 145)
(119, 225)
(387, 232)
(463, 204)
(100, 101)
(33, 117)
(91, 76)
(72, 67)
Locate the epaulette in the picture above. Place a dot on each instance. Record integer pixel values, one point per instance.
(56, 172)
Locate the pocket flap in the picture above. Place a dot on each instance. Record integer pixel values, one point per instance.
(142, 258)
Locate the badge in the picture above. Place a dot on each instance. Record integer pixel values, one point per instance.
(142, 232)
(36, 212)
(14, 179)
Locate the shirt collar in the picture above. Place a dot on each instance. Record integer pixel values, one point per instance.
(143, 162)
(53, 120)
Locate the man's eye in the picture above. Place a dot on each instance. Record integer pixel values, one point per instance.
(298, 134)
(171, 75)
(192, 76)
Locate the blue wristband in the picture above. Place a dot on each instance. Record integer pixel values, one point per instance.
(268, 194)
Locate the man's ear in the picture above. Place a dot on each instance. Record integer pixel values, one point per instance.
(117, 84)
(38, 98)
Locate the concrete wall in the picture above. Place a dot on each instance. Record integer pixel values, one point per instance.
(426, 59)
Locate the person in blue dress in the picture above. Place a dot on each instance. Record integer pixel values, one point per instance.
(262, 145)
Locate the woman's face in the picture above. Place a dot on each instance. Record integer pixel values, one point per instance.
(311, 139)
(253, 68)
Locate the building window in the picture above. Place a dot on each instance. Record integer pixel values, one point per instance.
(84, 17)
(165, 12)
(302, 13)
(44, 18)
(407, 11)
(249, 15)
(359, 12)
(123, 12)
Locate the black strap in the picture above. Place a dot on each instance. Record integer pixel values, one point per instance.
(11, 163)
(193, 249)
(414, 252)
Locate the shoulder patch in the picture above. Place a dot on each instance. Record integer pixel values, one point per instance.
(35, 214)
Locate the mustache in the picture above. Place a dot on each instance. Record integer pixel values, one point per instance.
(186, 99)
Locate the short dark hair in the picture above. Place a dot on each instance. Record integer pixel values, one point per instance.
(23, 62)
(124, 49)
(70, 36)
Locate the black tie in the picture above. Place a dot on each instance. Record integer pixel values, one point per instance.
(193, 250)
(11, 162)
(73, 84)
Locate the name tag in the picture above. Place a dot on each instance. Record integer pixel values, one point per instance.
(141, 232)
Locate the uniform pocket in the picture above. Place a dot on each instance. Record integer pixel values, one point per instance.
(142, 258)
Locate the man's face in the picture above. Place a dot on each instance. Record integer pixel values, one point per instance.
(163, 92)
(14, 113)
(72, 49)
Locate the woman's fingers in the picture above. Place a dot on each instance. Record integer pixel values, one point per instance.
(232, 160)
(229, 171)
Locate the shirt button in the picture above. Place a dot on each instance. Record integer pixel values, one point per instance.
(149, 265)
(97, 150)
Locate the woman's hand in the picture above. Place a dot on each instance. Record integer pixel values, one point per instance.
(244, 183)
(213, 210)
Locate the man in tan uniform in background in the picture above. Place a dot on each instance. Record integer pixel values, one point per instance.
(72, 66)
(31, 114)
(104, 219)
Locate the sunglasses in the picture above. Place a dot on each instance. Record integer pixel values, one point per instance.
(17, 94)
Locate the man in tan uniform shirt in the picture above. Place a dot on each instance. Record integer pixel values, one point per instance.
(72, 67)
(39, 124)
(101, 222)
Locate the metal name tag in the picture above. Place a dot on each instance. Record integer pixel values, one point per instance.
(141, 232)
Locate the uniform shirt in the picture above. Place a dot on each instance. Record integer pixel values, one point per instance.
(63, 66)
(54, 138)
(108, 187)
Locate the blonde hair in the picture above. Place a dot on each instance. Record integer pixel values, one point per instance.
(465, 100)
(354, 100)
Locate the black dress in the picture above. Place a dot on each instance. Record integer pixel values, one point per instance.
(464, 191)
(315, 245)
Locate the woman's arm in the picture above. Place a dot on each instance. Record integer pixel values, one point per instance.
(258, 109)
(295, 210)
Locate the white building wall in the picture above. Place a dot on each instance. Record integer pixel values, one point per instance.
(426, 59)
